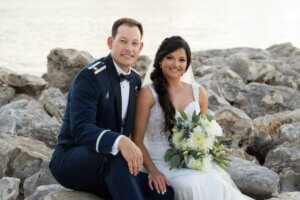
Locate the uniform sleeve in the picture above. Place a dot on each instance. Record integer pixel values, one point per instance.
(83, 111)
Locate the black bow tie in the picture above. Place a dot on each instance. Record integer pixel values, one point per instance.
(128, 77)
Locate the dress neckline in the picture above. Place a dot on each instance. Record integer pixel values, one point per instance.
(177, 110)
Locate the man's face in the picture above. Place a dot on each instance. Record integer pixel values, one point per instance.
(126, 46)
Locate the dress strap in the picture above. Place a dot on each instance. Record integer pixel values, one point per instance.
(151, 87)
(196, 91)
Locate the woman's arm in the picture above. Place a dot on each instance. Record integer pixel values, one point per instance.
(203, 100)
(145, 102)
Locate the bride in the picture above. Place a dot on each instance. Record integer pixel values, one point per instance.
(158, 104)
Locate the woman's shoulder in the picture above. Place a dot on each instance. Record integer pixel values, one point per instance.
(148, 93)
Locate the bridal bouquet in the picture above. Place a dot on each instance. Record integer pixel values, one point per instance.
(196, 143)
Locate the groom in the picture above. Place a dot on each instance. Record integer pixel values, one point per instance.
(94, 152)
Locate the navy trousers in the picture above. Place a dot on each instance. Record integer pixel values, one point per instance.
(79, 168)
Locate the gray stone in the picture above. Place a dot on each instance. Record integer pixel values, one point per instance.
(43, 191)
(9, 188)
(289, 180)
(42, 177)
(268, 128)
(284, 156)
(6, 94)
(64, 64)
(141, 65)
(23, 156)
(215, 101)
(24, 83)
(260, 99)
(71, 195)
(239, 65)
(253, 180)
(54, 102)
(32, 121)
(283, 50)
(236, 125)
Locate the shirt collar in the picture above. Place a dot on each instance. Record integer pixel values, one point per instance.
(120, 70)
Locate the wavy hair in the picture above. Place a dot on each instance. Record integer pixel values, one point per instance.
(160, 83)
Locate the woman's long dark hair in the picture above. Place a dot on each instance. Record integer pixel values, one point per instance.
(160, 83)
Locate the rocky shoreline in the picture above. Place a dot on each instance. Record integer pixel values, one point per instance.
(253, 93)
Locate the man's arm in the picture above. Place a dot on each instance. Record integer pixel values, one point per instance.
(84, 95)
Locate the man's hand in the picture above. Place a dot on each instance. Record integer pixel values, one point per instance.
(132, 154)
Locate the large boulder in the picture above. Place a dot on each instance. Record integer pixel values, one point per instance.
(43, 191)
(71, 195)
(9, 188)
(64, 64)
(260, 99)
(254, 180)
(6, 94)
(21, 157)
(283, 50)
(54, 102)
(236, 125)
(30, 120)
(42, 177)
(24, 83)
(268, 132)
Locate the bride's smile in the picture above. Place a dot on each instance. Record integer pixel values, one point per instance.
(174, 65)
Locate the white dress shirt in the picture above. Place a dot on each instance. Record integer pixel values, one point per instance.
(125, 86)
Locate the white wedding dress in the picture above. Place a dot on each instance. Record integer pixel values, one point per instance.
(211, 184)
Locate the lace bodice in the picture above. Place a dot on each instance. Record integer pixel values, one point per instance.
(155, 130)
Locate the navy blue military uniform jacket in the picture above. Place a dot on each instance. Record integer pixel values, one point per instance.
(94, 107)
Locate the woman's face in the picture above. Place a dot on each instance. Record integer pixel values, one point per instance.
(174, 64)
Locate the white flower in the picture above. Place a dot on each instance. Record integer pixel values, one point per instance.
(198, 141)
(194, 164)
(212, 128)
(178, 140)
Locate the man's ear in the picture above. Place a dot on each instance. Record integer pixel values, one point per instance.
(141, 46)
(110, 42)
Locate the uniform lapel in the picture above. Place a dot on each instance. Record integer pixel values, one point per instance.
(115, 82)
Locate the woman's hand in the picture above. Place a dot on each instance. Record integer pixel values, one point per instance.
(158, 181)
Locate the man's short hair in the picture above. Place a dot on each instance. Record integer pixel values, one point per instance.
(129, 22)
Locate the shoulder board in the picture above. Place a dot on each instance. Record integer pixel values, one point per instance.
(97, 67)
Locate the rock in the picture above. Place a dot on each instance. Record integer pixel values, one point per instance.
(250, 53)
(253, 180)
(7, 124)
(22, 156)
(268, 127)
(6, 94)
(215, 101)
(225, 83)
(54, 102)
(240, 153)
(42, 177)
(283, 50)
(236, 125)
(287, 196)
(43, 191)
(289, 180)
(9, 188)
(32, 121)
(71, 195)
(285, 156)
(287, 133)
(64, 64)
(239, 65)
(142, 65)
(261, 99)
(29, 84)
